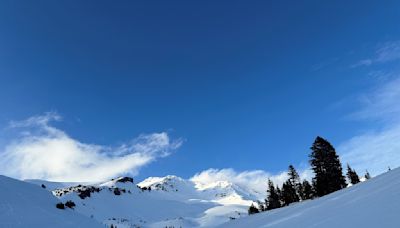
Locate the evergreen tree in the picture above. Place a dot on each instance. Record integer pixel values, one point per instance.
(273, 197)
(279, 193)
(261, 206)
(294, 179)
(253, 209)
(352, 175)
(283, 195)
(308, 192)
(367, 175)
(314, 184)
(327, 168)
(289, 193)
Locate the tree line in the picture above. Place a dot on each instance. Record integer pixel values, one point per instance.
(328, 178)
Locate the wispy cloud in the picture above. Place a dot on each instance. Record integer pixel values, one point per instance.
(253, 179)
(324, 64)
(378, 148)
(386, 52)
(375, 151)
(42, 151)
(382, 103)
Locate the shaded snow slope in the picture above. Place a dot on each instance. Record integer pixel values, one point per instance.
(371, 204)
(27, 205)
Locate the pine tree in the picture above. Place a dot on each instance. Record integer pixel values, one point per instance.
(273, 197)
(314, 186)
(253, 209)
(261, 206)
(308, 192)
(289, 193)
(284, 196)
(327, 168)
(279, 193)
(367, 175)
(352, 175)
(294, 179)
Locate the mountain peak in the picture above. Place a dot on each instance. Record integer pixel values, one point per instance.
(169, 183)
(123, 181)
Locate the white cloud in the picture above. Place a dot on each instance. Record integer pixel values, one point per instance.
(386, 52)
(363, 62)
(253, 179)
(377, 149)
(389, 51)
(383, 103)
(374, 151)
(42, 151)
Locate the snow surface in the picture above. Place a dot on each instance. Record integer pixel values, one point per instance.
(373, 203)
(172, 202)
(26, 205)
(176, 202)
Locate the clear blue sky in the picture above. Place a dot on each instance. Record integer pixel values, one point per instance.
(247, 84)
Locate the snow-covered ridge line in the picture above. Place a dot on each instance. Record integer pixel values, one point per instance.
(156, 201)
(118, 186)
(175, 202)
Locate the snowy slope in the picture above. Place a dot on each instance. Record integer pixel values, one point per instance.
(371, 204)
(175, 202)
(116, 202)
(156, 202)
(228, 200)
(27, 205)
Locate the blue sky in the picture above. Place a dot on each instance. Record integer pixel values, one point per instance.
(237, 84)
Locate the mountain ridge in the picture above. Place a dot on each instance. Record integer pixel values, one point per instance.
(172, 201)
(167, 201)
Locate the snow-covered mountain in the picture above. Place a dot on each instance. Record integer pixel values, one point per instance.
(155, 202)
(26, 205)
(175, 202)
(373, 203)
